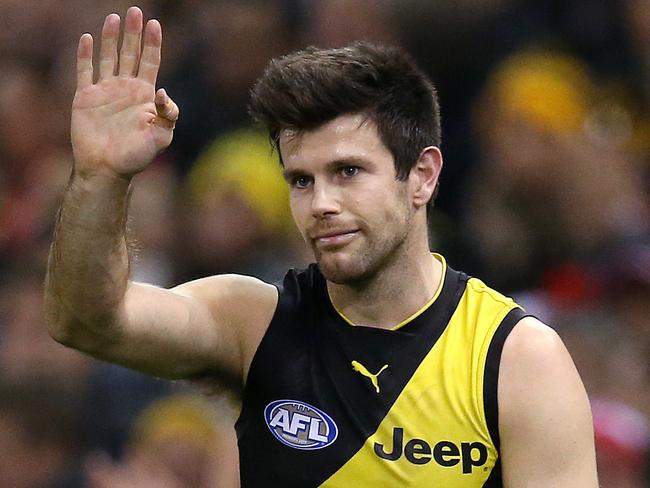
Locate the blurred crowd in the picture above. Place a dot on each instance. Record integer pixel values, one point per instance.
(545, 195)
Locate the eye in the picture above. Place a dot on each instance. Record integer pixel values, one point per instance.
(349, 171)
(301, 182)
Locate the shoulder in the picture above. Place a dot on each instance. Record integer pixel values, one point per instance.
(491, 314)
(534, 356)
(486, 296)
(300, 287)
(533, 349)
(242, 306)
(307, 278)
(231, 293)
(544, 412)
(532, 339)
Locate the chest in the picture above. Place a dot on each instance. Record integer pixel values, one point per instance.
(346, 404)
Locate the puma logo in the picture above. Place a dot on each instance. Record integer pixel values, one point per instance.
(357, 366)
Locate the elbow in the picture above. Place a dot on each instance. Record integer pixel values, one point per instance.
(86, 327)
(64, 330)
(80, 336)
(59, 328)
(83, 335)
(58, 319)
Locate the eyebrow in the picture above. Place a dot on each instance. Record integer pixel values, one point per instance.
(289, 174)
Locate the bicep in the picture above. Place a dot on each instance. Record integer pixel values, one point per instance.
(198, 327)
(545, 420)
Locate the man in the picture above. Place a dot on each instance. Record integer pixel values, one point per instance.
(379, 365)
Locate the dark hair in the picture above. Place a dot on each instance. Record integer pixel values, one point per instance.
(305, 89)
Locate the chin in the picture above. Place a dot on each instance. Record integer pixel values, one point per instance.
(337, 276)
(342, 271)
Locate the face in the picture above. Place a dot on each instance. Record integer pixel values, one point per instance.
(345, 198)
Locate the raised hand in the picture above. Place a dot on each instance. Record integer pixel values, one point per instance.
(120, 122)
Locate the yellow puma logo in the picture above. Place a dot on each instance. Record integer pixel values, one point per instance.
(357, 366)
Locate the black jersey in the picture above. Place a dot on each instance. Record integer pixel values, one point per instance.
(331, 404)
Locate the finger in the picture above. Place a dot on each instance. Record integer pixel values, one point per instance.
(130, 52)
(108, 50)
(85, 61)
(150, 61)
(167, 110)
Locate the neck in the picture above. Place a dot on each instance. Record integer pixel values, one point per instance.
(395, 293)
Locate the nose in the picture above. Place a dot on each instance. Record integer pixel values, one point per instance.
(325, 200)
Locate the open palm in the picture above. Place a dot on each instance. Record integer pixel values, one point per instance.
(120, 122)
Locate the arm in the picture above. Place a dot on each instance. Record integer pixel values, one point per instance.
(545, 423)
(119, 124)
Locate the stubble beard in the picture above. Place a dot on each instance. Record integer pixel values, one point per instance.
(361, 265)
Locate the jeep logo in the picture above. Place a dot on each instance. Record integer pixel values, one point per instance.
(444, 453)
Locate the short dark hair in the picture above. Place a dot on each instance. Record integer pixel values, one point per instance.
(303, 90)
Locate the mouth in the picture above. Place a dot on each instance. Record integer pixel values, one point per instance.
(335, 238)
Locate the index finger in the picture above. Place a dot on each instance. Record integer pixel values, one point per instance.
(85, 61)
(150, 59)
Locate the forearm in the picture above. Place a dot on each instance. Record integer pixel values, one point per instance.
(88, 266)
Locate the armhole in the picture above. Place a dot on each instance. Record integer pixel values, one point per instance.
(290, 294)
(282, 304)
(243, 422)
(491, 374)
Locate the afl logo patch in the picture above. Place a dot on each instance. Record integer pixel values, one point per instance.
(300, 425)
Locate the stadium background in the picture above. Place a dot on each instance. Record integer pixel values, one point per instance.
(545, 195)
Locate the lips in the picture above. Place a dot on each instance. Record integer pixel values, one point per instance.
(334, 238)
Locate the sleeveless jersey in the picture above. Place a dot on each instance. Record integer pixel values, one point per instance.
(330, 404)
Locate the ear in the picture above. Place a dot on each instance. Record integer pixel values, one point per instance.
(424, 175)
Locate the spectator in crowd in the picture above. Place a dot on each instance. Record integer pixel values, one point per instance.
(153, 224)
(27, 354)
(34, 162)
(176, 442)
(329, 25)
(541, 178)
(42, 437)
(237, 212)
(622, 444)
(236, 39)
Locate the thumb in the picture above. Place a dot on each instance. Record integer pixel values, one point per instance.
(167, 111)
